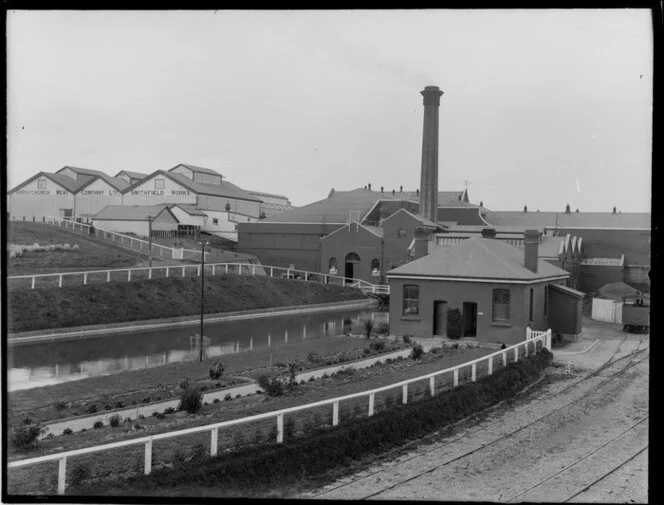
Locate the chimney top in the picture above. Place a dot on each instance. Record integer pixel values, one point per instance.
(431, 95)
(531, 234)
(489, 233)
(531, 255)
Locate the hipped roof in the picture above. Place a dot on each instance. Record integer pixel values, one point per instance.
(478, 258)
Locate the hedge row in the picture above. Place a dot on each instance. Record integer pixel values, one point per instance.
(257, 469)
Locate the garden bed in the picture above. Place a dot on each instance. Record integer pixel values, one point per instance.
(257, 467)
(126, 460)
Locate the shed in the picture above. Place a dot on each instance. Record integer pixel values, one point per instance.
(616, 291)
(565, 310)
(123, 219)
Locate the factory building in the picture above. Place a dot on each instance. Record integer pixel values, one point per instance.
(130, 177)
(165, 220)
(43, 194)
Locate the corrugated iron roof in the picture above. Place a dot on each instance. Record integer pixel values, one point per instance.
(572, 220)
(194, 168)
(84, 171)
(478, 258)
(132, 175)
(117, 183)
(568, 290)
(130, 213)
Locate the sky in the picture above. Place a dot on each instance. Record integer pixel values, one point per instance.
(540, 107)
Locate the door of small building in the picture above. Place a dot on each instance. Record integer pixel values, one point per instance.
(469, 319)
(440, 318)
(351, 259)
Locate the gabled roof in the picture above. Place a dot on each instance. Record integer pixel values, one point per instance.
(371, 229)
(568, 291)
(84, 171)
(132, 175)
(424, 221)
(194, 168)
(130, 213)
(480, 259)
(262, 193)
(445, 198)
(333, 209)
(574, 220)
(225, 189)
(118, 184)
(189, 209)
(67, 183)
(616, 290)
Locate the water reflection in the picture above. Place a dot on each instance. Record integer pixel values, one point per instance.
(42, 364)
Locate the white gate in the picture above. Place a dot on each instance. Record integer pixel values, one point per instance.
(608, 311)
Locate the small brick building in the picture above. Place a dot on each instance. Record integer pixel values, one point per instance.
(498, 288)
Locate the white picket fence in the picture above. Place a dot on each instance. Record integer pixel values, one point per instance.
(531, 334)
(544, 341)
(608, 311)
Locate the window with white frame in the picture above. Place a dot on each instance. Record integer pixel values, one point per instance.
(215, 221)
(411, 300)
(159, 183)
(501, 305)
(41, 183)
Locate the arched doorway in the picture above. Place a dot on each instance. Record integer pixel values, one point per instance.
(351, 260)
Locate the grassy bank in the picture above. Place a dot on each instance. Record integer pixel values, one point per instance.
(281, 469)
(37, 309)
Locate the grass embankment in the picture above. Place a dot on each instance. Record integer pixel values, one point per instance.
(37, 309)
(162, 381)
(300, 463)
(91, 254)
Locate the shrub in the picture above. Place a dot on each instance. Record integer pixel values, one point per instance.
(24, 436)
(313, 357)
(378, 345)
(191, 400)
(79, 474)
(146, 399)
(228, 397)
(169, 410)
(216, 370)
(119, 404)
(238, 396)
(67, 431)
(108, 406)
(92, 409)
(417, 352)
(366, 351)
(159, 415)
(60, 405)
(454, 324)
(407, 339)
(368, 326)
(436, 350)
(280, 364)
(98, 424)
(216, 400)
(382, 328)
(312, 378)
(289, 428)
(271, 385)
(114, 421)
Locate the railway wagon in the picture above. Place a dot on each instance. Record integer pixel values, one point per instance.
(636, 313)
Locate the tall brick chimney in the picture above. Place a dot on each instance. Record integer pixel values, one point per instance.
(532, 239)
(429, 176)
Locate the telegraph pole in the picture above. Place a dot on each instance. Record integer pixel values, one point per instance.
(150, 237)
(203, 244)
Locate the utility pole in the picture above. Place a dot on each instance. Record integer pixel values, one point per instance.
(203, 244)
(150, 237)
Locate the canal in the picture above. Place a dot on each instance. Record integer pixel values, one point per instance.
(46, 363)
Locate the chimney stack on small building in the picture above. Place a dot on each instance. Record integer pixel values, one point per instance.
(488, 233)
(429, 175)
(531, 255)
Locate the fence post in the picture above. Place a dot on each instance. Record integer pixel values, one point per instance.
(372, 399)
(253, 270)
(108, 276)
(213, 441)
(280, 428)
(128, 275)
(516, 354)
(504, 359)
(240, 269)
(335, 413)
(213, 266)
(226, 265)
(490, 365)
(149, 273)
(548, 339)
(60, 281)
(198, 271)
(85, 278)
(473, 372)
(167, 272)
(148, 457)
(271, 271)
(404, 393)
(33, 282)
(182, 271)
(344, 282)
(432, 385)
(456, 377)
(526, 351)
(62, 475)
(528, 333)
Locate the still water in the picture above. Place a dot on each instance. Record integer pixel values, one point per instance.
(42, 364)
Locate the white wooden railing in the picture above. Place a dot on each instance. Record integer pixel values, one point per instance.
(127, 274)
(530, 334)
(544, 339)
(121, 239)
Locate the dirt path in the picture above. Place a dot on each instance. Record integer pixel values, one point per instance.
(577, 432)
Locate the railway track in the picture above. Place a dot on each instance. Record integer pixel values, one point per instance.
(631, 357)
